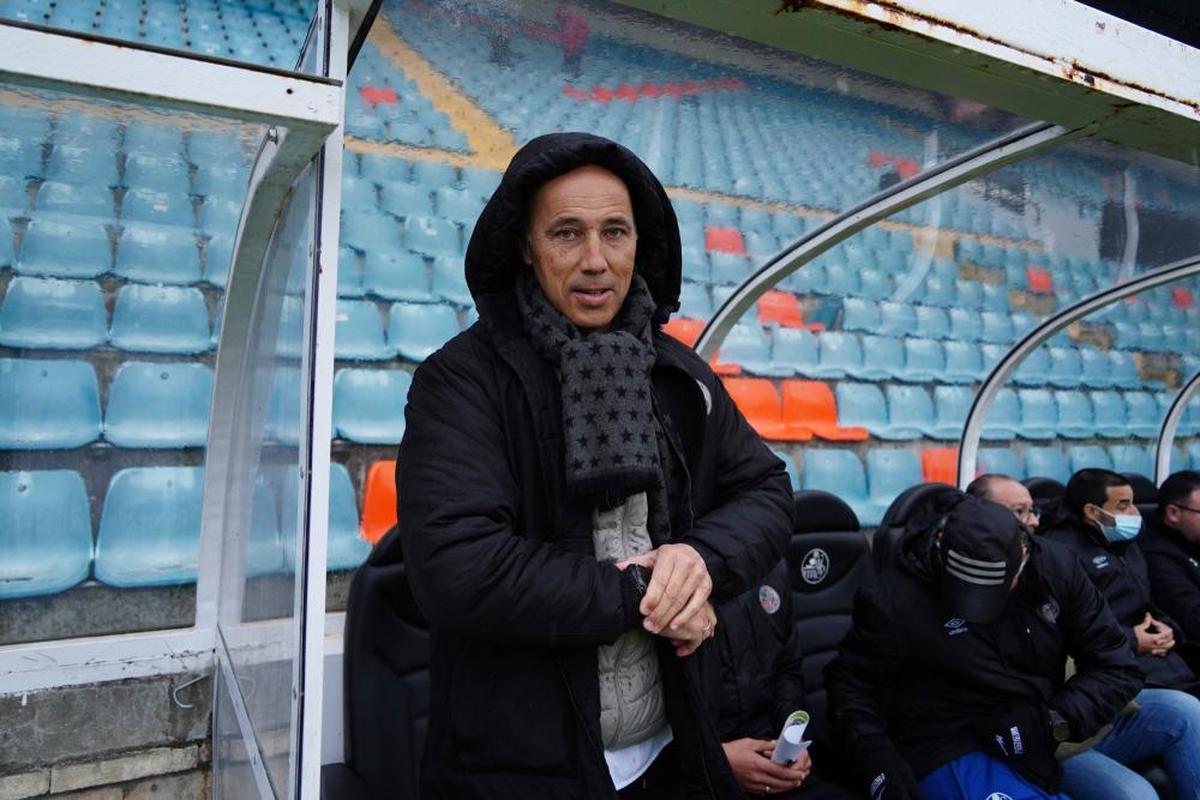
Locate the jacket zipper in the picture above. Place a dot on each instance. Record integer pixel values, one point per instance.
(599, 746)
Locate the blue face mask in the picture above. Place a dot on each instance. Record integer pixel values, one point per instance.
(1126, 527)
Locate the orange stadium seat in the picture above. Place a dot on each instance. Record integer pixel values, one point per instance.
(379, 501)
(782, 308)
(809, 408)
(724, 240)
(759, 401)
(1182, 297)
(940, 465)
(1039, 279)
(683, 329)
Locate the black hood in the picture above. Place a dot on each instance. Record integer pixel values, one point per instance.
(492, 261)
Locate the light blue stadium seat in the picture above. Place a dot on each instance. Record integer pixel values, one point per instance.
(964, 362)
(379, 168)
(794, 350)
(1003, 420)
(860, 315)
(349, 273)
(52, 313)
(218, 256)
(159, 406)
(889, 472)
(1083, 456)
(841, 473)
(931, 323)
(1193, 454)
(157, 254)
(158, 208)
(999, 461)
(1097, 369)
(160, 319)
(839, 354)
(482, 181)
(84, 200)
(789, 464)
(168, 173)
(1126, 335)
(965, 325)
(1123, 370)
(896, 319)
(997, 327)
(1132, 458)
(910, 413)
(728, 269)
(1047, 462)
(940, 293)
(263, 549)
(1111, 414)
(760, 246)
(695, 301)
(951, 404)
(1076, 417)
(345, 548)
(450, 281)
(48, 405)
(970, 294)
(995, 298)
(924, 361)
(358, 194)
(431, 236)
(370, 231)
(46, 537)
(1039, 414)
(434, 174)
(397, 276)
(417, 330)
(360, 334)
(405, 199)
(748, 346)
(459, 205)
(64, 247)
(882, 358)
(150, 527)
(874, 284)
(79, 162)
(21, 157)
(6, 239)
(282, 422)
(289, 336)
(1066, 367)
(368, 404)
(862, 405)
(1144, 418)
(1035, 369)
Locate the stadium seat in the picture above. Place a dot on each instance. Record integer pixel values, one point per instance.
(809, 408)
(1034, 370)
(838, 354)
(882, 359)
(150, 527)
(964, 362)
(52, 313)
(999, 461)
(951, 404)
(434, 174)
(1066, 367)
(282, 423)
(965, 325)
(160, 319)
(1039, 414)
(416, 331)
(889, 472)
(910, 413)
(368, 405)
(931, 323)
(863, 405)
(838, 472)
(727, 269)
(1088, 455)
(157, 254)
(431, 236)
(747, 346)
(359, 335)
(1110, 414)
(1143, 416)
(829, 560)
(450, 282)
(405, 199)
(1003, 420)
(915, 502)
(782, 308)
(158, 208)
(760, 404)
(1047, 462)
(379, 501)
(940, 465)
(387, 663)
(794, 351)
(896, 319)
(1123, 371)
(397, 276)
(860, 315)
(345, 548)
(1076, 419)
(162, 405)
(48, 405)
(263, 550)
(1097, 369)
(684, 330)
(369, 232)
(79, 199)
(62, 247)
(924, 361)
(46, 537)
(1132, 458)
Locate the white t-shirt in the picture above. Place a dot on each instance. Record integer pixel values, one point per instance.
(627, 764)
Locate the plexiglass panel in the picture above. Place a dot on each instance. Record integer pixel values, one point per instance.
(233, 776)
(264, 34)
(116, 224)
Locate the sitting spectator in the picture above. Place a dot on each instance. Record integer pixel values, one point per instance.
(1171, 545)
(762, 683)
(1098, 520)
(952, 681)
(1163, 722)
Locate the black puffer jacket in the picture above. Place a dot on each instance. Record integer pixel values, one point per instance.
(502, 561)
(762, 665)
(1119, 571)
(912, 675)
(1174, 568)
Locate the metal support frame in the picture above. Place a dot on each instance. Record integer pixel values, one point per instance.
(968, 446)
(1170, 424)
(953, 172)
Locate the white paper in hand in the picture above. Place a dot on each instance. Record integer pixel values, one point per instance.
(790, 743)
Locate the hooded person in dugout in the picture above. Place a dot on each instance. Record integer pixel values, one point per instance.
(576, 492)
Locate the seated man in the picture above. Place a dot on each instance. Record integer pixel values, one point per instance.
(1171, 545)
(762, 682)
(951, 682)
(1098, 520)
(1163, 723)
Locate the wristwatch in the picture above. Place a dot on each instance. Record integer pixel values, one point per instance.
(1060, 729)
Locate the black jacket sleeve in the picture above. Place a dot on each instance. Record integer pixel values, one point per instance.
(1175, 591)
(1106, 672)
(457, 509)
(787, 677)
(745, 533)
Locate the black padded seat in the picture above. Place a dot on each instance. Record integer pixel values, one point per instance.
(1145, 492)
(386, 675)
(829, 561)
(1046, 494)
(909, 505)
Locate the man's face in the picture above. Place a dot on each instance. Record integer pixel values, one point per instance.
(1016, 498)
(582, 243)
(1119, 501)
(1185, 517)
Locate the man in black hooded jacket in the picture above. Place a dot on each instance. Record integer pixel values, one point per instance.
(953, 674)
(576, 489)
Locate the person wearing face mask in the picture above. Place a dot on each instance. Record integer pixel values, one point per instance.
(1100, 523)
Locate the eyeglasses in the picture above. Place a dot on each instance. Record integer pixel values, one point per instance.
(1185, 508)
(1024, 512)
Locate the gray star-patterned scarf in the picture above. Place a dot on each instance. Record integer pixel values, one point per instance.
(612, 439)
